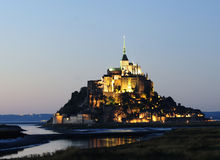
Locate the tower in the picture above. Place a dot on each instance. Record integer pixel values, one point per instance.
(124, 62)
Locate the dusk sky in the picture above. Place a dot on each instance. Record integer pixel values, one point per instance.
(50, 48)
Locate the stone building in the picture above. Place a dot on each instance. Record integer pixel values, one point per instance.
(126, 78)
(77, 119)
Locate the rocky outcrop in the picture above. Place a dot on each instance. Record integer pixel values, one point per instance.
(131, 108)
(77, 104)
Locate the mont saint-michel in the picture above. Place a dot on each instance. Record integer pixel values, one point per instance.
(125, 94)
(72, 87)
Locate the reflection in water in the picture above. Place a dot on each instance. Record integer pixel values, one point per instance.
(80, 143)
(44, 148)
(110, 142)
(62, 144)
(35, 129)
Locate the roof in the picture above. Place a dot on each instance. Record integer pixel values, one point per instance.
(114, 69)
(124, 58)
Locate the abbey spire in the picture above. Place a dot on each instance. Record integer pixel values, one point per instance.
(124, 57)
(124, 49)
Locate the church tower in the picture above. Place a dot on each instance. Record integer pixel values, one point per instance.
(124, 63)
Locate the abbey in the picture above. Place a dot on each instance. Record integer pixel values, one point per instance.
(126, 78)
(123, 95)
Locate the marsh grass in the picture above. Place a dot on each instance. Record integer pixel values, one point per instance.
(179, 144)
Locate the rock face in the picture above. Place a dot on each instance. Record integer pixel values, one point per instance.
(131, 109)
(77, 104)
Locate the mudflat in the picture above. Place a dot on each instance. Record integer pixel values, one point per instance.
(10, 131)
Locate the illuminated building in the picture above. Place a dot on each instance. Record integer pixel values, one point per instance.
(57, 118)
(77, 119)
(123, 95)
(126, 78)
(143, 104)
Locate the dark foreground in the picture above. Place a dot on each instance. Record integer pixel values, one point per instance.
(181, 144)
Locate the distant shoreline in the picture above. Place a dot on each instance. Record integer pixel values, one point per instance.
(21, 122)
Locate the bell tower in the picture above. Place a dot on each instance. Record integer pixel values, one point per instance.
(124, 62)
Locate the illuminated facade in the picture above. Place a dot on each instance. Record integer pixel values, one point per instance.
(126, 78)
(77, 119)
(57, 119)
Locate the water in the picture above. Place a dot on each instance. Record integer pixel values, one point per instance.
(35, 129)
(62, 144)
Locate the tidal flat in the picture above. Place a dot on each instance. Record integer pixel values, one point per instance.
(10, 131)
(200, 143)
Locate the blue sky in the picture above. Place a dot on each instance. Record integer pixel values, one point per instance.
(48, 49)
